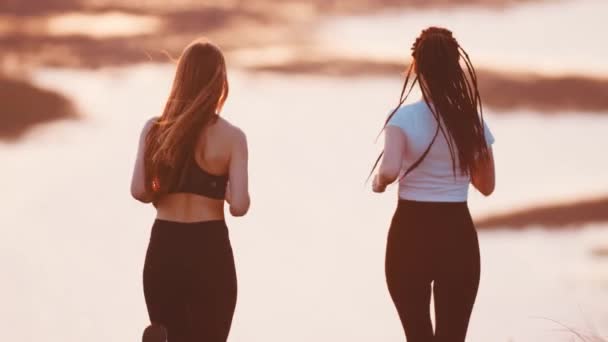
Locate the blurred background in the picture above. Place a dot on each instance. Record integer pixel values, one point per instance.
(311, 83)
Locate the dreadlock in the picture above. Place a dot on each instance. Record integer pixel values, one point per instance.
(452, 97)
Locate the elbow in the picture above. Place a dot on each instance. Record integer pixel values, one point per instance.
(388, 175)
(239, 209)
(487, 190)
(484, 183)
(141, 196)
(238, 212)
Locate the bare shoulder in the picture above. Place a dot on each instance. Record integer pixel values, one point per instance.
(235, 134)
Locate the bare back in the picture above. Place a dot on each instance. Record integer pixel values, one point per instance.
(221, 150)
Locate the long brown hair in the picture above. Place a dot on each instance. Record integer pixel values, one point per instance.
(199, 90)
(452, 97)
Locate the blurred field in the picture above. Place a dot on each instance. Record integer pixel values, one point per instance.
(34, 105)
(258, 36)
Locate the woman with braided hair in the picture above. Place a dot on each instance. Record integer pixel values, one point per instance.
(435, 147)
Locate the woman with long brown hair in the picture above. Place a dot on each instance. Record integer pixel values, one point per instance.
(189, 163)
(435, 147)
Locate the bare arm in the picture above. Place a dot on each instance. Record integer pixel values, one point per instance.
(238, 186)
(138, 186)
(483, 175)
(392, 161)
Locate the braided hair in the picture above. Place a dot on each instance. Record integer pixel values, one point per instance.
(452, 97)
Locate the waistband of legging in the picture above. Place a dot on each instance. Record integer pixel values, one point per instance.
(405, 203)
(184, 231)
(162, 223)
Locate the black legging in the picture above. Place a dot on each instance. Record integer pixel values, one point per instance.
(433, 242)
(190, 280)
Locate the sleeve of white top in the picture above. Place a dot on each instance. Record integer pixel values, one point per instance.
(488, 134)
(398, 119)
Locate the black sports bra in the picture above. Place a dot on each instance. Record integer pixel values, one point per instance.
(197, 181)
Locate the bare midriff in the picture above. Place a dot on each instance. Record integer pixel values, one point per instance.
(182, 207)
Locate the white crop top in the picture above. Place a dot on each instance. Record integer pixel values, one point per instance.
(433, 180)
